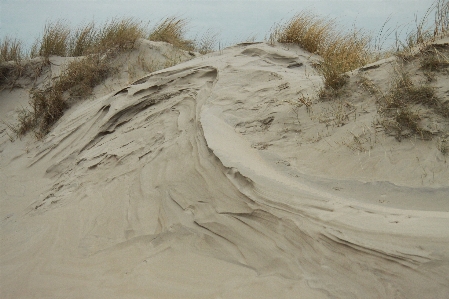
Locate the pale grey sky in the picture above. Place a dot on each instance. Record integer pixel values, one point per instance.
(235, 20)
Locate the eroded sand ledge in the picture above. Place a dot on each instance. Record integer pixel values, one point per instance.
(189, 184)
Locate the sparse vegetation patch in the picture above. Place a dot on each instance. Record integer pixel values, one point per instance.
(434, 59)
(77, 81)
(11, 50)
(443, 146)
(426, 31)
(401, 107)
(11, 55)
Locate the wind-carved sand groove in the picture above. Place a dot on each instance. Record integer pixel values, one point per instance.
(156, 191)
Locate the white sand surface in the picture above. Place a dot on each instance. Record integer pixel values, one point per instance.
(202, 181)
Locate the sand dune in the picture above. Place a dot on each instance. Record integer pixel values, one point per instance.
(200, 181)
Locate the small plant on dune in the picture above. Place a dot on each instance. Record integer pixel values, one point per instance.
(407, 119)
(172, 30)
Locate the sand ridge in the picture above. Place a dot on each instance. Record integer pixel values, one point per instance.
(201, 181)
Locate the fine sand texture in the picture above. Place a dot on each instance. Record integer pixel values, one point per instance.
(209, 180)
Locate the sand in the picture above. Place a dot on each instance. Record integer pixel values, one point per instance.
(202, 181)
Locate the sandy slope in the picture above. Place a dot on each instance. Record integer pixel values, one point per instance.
(200, 181)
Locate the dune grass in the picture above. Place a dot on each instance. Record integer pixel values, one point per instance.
(83, 40)
(206, 43)
(172, 30)
(307, 30)
(343, 53)
(119, 35)
(54, 41)
(59, 39)
(411, 102)
(406, 106)
(76, 82)
(96, 46)
(433, 59)
(340, 50)
(115, 35)
(11, 56)
(434, 25)
(401, 106)
(11, 49)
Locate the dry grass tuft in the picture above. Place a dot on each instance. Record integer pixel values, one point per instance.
(47, 107)
(307, 30)
(11, 50)
(81, 76)
(54, 41)
(84, 40)
(407, 124)
(11, 55)
(433, 60)
(172, 30)
(341, 52)
(119, 35)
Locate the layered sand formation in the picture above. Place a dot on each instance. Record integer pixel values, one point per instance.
(203, 181)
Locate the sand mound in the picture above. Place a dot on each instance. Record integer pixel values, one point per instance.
(201, 181)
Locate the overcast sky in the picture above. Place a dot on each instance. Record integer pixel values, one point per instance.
(235, 20)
